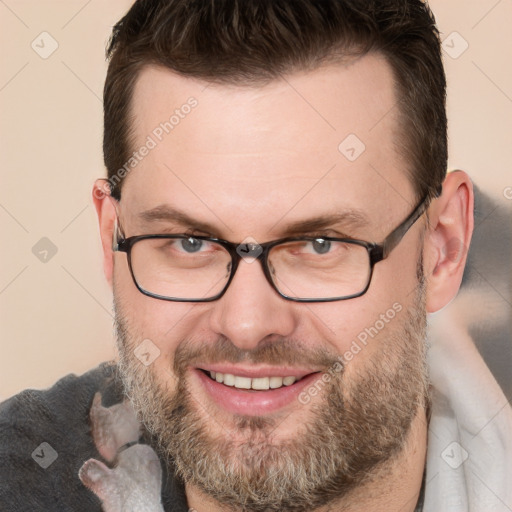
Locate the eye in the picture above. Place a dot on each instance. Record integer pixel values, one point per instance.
(321, 246)
(191, 244)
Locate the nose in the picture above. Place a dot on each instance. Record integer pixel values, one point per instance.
(251, 310)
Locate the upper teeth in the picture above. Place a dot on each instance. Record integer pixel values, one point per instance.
(259, 383)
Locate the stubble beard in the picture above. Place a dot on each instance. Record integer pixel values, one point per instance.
(354, 428)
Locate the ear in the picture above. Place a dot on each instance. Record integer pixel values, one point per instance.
(447, 240)
(105, 209)
(95, 476)
(101, 429)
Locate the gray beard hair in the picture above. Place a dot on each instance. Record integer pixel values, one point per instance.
(355, 428)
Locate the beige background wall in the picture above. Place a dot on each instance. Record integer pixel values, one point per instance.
(56, 308)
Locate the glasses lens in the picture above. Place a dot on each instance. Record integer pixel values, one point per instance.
(319, 268)
(185, 268)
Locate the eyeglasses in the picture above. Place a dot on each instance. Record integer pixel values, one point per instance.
(187, 268)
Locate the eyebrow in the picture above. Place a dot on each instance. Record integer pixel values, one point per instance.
(349, 220)
(164, 213)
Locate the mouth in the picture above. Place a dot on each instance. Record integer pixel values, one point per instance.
(254, 392)
(256, 383)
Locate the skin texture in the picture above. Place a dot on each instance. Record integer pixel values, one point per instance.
(250, 161)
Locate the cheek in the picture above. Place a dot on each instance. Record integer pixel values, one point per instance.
(152, 322)
(357, 328)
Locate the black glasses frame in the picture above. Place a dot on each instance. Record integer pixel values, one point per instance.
(376, 253)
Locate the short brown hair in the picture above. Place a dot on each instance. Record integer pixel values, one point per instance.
(255, 41)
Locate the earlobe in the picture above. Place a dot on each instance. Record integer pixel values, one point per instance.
(448, 239)
(106, 212)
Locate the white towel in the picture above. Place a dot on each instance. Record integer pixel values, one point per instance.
(469, 455)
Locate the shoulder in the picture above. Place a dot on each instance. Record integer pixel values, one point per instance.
(45, 438)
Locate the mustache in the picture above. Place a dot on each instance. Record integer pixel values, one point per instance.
(274, 351)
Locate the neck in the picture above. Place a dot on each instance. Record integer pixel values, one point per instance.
(395, 487)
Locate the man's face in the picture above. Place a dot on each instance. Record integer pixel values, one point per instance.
(252, 162)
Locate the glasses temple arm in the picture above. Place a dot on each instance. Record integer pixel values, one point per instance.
(394, 238)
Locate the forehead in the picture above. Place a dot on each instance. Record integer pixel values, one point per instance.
(246, 157)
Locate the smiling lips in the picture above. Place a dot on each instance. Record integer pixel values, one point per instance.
(251, 391)
(258, 383)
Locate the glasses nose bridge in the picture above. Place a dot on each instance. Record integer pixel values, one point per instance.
(260, 253)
